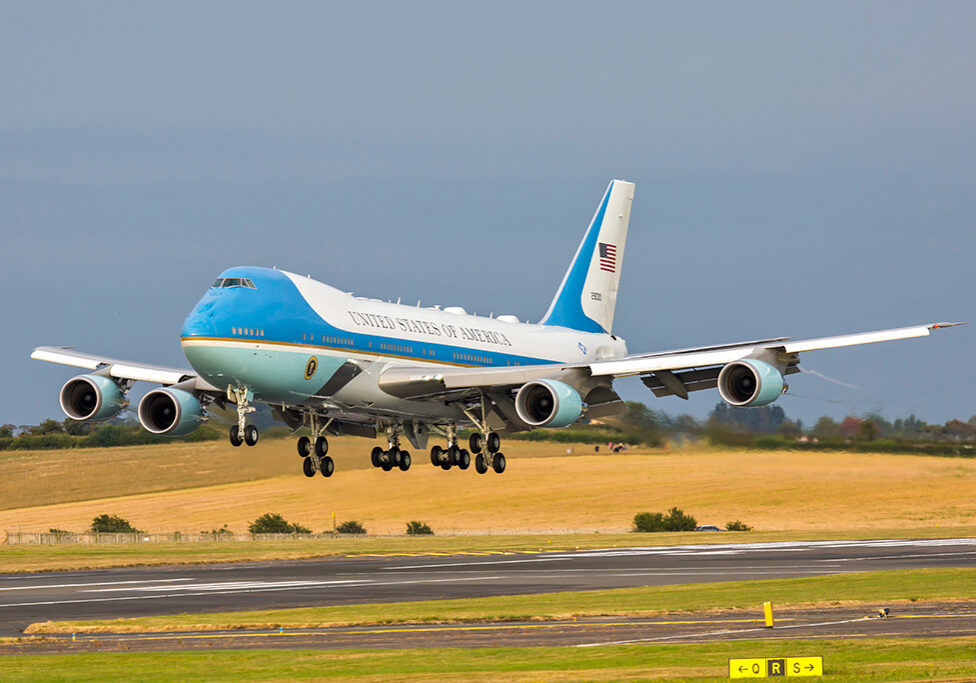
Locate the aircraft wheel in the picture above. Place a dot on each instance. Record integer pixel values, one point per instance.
(375, 455)
(452, 455)
(328, 467)
(395, 456)
(494, 442)
(304, 446)
(250, 435)
(404, 461)
(498, 463)
(435, 456)
(464, 459)
(387, 466)
(445, 466)
(480, 464)
(235, 436)
(308, 467)
(475, 443)
(321, 446)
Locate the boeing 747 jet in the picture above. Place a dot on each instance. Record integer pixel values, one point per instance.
(341, 364)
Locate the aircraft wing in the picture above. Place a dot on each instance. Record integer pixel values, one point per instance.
(666, 373)
(121, 369)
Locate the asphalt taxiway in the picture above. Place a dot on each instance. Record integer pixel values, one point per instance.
(129, 592)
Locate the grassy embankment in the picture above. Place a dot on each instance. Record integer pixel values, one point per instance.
(194, 487)
(845, 661)
(869, 588)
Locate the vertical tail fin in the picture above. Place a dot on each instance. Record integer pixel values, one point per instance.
(587, 296)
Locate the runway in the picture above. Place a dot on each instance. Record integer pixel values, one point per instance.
(128, 592)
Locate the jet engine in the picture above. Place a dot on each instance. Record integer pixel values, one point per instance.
(170, 412)
(548, 403)
(91, 397)
(750, 382)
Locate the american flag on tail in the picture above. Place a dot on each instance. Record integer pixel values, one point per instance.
(608, 257)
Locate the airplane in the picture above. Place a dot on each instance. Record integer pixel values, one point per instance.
(340, 364)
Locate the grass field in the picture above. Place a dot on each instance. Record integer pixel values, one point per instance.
(191, 487)
(880, 659)
(871, 588)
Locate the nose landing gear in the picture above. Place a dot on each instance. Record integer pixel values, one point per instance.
(242, 432)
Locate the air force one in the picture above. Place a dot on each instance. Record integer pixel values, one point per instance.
(341, 364)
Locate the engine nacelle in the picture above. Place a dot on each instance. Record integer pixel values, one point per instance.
(171, 412)
(750, 382)
(548, 403)
(91, 397)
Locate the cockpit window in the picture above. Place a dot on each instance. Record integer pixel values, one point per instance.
(224, 282)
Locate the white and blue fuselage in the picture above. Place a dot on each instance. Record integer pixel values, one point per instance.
(290, 340)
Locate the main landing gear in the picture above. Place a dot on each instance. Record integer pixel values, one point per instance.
(314, 451)
(485, 446)
(242, 432)
(393, 455)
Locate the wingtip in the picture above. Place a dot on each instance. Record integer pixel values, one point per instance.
(939, 326)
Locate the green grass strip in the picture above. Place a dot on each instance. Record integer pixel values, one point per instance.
(845, 661)
(876, 588)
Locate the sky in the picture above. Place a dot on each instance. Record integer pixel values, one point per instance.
(802, 170)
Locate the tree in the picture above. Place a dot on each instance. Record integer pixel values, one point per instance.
(867, 431)
(826, 428)
(48, 426)
(272, 523)
(75, 427)
(761, 420)
(6, 431)
(351, 527)
(112, 524)
(418, 529)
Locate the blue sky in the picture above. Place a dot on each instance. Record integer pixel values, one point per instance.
(801, 170)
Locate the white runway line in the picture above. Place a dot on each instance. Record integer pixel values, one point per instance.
(237, 592)
(725, 632)
(100, 583)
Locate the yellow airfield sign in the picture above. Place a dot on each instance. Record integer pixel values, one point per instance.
(774, 667)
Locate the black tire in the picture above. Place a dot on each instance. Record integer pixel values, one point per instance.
(304, 446)
(394, 456)
(464, 459)
(321, 446)
(308, 467)
(235, 436)
(387, 466)
(474, 443)
(494, 442)
(498, 462)
(404, 461)
(480, 464)
(435, 456)
(327, 467)
(445, 466)
(251, 435)
(374, 456)
(452, 454)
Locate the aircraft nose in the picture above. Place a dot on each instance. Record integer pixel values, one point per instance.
(201, 322)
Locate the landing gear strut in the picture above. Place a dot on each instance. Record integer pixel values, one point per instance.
(393, 456)
(485, 444)
(242, 432)
(314, 450)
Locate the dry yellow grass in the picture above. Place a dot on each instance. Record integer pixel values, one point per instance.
(543, 489)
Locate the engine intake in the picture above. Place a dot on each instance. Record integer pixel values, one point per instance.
(91, 397)
(548, 403)
(170, 412)
(750, 382)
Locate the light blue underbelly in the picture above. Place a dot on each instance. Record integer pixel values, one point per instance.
(277, 376)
